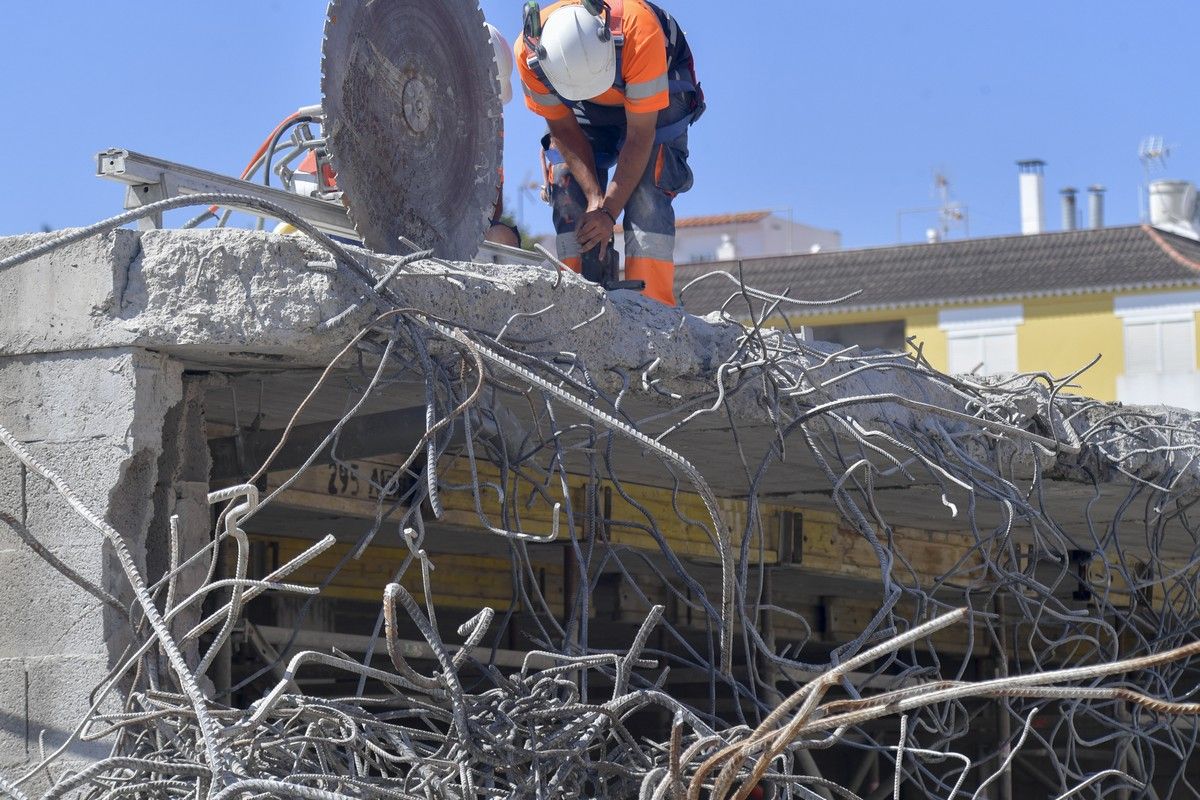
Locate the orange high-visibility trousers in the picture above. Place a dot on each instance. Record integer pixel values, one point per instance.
(658, 275)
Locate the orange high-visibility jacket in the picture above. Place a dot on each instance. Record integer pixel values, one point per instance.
(643, 67)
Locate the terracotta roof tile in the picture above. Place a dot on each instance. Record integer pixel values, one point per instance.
(715, 220)
(711, 220)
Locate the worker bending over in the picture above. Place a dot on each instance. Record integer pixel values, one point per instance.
(616, 82)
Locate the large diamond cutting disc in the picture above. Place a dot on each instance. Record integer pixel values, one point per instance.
(413, 118)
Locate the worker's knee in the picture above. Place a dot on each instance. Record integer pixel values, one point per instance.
(566, 247)
(642, 243)
(567, 201)
(560, 175)
(650, 225)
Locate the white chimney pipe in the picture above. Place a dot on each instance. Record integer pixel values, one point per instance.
(1068, 209)
(1033, 209)
(1096, 207)
(1171, 202)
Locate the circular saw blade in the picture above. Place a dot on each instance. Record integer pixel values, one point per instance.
(413, 120)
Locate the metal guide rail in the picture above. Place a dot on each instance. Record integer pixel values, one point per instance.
(148, 179)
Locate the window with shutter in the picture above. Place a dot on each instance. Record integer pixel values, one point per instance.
(982, 339)
(1160, 349)
(1141, 348)
(966, 354)
(987, 353)
(999, 353)
(1178, 345)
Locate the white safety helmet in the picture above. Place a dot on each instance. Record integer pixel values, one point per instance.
(504, 61)
(580, 56)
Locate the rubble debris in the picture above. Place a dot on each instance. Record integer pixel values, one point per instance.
(983, 451)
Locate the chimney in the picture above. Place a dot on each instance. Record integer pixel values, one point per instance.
(1096, 206)
(1173, 207)
(1033, 212)
(1068, 208)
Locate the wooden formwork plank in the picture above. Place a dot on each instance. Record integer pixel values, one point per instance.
(457, 580)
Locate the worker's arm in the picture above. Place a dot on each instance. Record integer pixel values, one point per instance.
(498, 207)
(597, 224)
(569, 139)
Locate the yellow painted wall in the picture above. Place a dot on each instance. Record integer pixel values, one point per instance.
(1198, 335)
(1060, 335)
(923, 325)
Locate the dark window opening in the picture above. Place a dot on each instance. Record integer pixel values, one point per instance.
(867, 335)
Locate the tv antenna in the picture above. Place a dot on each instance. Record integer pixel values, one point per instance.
(1153, 152)
(951, 214)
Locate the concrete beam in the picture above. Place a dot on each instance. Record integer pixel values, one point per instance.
(225, 297)
(213, 295)
(409, 648)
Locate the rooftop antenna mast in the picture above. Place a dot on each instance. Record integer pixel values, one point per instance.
(1153, 153)
(951, 213)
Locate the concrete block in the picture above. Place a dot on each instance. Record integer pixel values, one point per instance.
(92, 394)
(45, 613)
(41, 701)
(12, 488)
(217, 291)
(91, 468)
(66, 299)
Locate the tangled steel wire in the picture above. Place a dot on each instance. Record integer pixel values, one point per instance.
(1088, 626)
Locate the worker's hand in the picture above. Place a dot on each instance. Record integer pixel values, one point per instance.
(596, 228)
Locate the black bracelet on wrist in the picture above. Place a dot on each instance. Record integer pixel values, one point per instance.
(610, 215)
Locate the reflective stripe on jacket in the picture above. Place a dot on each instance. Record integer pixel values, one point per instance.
(653, 60)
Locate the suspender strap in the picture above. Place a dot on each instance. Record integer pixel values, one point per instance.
(681, 66)
(672, 131)
(616, 20)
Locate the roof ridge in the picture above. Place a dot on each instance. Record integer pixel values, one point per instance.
(952, 244)
(729, 213)
(1176, 256)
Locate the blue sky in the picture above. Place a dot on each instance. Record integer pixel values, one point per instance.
(838, 110)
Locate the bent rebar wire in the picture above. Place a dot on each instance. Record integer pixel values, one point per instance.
(1087, 614)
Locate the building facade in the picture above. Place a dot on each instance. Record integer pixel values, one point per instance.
(1126, 298)
(750, 234)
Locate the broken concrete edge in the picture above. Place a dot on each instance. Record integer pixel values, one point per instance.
(96, 419)
(231, 296)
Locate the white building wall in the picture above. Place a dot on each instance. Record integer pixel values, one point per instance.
(769, 237)
(694, 245)
(1160, 349)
